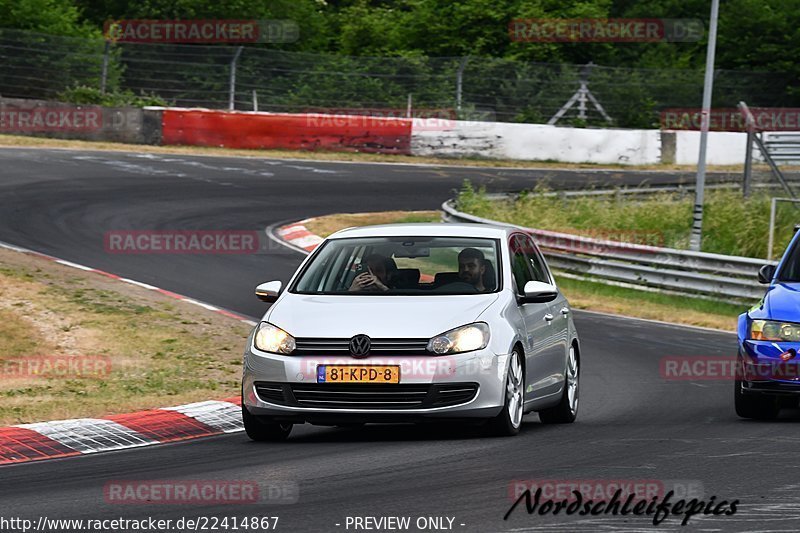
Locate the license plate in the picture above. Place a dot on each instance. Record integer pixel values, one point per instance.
(358, 374)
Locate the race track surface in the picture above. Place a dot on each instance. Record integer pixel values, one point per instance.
(633, 424)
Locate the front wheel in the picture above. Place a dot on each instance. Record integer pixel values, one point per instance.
(508, 422)
(567, 409)
(753, 405)
(261, 429)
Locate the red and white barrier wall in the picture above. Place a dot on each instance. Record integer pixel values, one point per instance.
(203, 127)
(444, 138)
(437, 137)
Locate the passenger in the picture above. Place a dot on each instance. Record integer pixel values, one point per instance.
(472, 267)
(376, 278)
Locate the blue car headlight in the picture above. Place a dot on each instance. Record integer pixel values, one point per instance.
(773, 330)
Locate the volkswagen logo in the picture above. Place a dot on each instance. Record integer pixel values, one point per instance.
(360, 345)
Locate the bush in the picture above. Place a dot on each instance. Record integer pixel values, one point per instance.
(81, 94)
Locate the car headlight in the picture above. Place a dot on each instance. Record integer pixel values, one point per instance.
(269, 338)
(464, 339)
(772, 330)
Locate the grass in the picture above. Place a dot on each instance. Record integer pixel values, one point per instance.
(582, 294)
(42, 142)
(652, 305)
(161, 352)
(732, 225)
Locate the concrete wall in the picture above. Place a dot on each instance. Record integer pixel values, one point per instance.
(724, 148)
(538, 142)
(82, 122)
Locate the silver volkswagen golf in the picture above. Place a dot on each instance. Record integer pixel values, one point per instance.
(413, 322)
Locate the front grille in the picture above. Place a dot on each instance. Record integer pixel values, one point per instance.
(454, 394)
(321, 346)
(366, 396)
(270, 392)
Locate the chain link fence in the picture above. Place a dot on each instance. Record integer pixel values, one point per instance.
(269, 79)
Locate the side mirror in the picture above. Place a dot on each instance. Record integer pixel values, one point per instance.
(269, 291)
(766, 273)
(539, 292)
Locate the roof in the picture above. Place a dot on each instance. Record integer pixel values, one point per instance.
(425, 230)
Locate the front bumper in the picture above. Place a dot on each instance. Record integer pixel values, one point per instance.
(762, 371)
(483, 370)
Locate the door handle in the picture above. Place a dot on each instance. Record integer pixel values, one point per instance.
(565, 310)
(548, 317)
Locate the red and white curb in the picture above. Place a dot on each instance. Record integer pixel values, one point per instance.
(65, 438)
(298, 236)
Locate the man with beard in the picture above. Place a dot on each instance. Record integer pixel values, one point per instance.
(472, 267)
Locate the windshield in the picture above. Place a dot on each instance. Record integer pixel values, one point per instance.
(402, 265)
(791, 268)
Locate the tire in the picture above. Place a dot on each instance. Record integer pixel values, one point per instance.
(261, 429)
(755, 406)
(508, 422)
(567, 409)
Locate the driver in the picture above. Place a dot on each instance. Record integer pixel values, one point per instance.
(472, 267)
(376, 278)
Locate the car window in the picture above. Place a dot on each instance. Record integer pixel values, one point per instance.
(535, 260)
(519, 263)
(402, 265)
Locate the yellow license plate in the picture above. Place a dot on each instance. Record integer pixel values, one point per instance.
(358, 374)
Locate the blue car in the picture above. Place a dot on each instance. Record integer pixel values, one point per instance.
(768, 370)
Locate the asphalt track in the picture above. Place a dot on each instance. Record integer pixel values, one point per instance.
(633, 424)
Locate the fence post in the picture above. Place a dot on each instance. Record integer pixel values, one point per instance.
(460, 81)
(104, 72)
(748, 165)
(255, 100)
(232, 88)
(772, 209)
(408, 107)
(748, 155)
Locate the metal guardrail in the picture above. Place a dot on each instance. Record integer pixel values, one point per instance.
(723, 277)
(783, 147)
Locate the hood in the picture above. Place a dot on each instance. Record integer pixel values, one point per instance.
(782, 302)
(376, 316)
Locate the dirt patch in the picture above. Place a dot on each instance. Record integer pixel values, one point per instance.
(152, 351)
